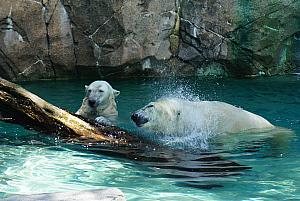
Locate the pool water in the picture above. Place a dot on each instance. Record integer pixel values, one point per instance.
(248, 166)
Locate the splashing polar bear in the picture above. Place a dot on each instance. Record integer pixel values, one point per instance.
(177, 117)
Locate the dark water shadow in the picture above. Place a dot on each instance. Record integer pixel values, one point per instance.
(203, 170)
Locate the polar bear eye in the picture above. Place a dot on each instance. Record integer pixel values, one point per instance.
(89, 90)
(100, 90)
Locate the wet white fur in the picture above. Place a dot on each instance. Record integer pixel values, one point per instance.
(105, 96)
(178, 117)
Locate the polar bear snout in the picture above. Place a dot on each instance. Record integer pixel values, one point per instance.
(139, 119)
(92, 102)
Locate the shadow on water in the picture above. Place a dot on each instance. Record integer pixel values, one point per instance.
(195, 169)
(198, 169)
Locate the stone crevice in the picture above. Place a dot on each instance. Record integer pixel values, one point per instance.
(48, 40)
(48, 16)
(98, 47)
(193, 45)
(199, 47)
(281, 9)
(38, 2)
(224, 38)
(28, 70)
(74, 49)
(20, 31)
(9, 24)
(73, 29)
(11, 65)
(208, 30)
(91, 35)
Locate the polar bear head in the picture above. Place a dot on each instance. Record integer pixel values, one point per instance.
(99, 100)
(100, 94)
(161, 116)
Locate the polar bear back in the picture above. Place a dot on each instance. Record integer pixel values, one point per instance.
(211, 116)
(231, 119)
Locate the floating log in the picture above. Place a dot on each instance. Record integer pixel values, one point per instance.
(19, 106)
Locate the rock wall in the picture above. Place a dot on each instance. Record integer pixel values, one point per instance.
(47, 39)
(241, 37)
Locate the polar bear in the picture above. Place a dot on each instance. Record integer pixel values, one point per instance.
(99, 103)
(177, 117)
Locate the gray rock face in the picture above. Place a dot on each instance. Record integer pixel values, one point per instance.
(46, 39)
(246, 37)
(23, 45)
(60, 36)
(111, 194)
(296, 48)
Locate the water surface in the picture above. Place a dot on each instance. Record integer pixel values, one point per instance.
(248, 166)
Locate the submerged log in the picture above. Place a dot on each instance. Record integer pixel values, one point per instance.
(19, 106)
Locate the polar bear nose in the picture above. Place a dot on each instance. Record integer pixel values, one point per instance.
(139, 119)
(92, 103)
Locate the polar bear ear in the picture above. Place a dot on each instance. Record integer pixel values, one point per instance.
(86, 87)
(116, 93)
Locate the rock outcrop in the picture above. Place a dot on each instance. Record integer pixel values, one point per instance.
(48, 39)
(241, 37)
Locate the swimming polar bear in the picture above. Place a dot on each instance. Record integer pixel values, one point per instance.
(176, 117)
(99, 103)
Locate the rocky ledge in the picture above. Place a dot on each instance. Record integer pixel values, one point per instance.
(61, 39)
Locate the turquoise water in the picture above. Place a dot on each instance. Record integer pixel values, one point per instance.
(249, 166)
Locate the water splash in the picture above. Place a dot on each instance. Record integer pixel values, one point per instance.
(198, 134)
(178, 88)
